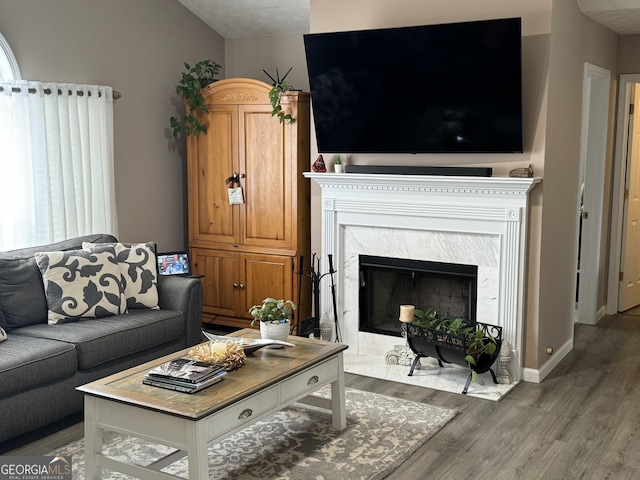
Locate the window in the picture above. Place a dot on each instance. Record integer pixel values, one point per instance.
(8, 66)
(56, 159)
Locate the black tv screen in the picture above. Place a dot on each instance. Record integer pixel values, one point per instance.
(450, 88)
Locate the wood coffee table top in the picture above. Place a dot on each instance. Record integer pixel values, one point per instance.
(262, 369)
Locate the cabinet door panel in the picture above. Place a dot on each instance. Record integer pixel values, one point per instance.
(220, 282)
(267, 276)
(266, 216)
(216, 160)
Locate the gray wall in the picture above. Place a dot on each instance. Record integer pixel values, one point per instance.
(247, 57)
(138, 47)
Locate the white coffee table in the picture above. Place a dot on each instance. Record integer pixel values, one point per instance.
(270, 380)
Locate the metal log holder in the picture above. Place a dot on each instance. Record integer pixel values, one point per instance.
(451, 348)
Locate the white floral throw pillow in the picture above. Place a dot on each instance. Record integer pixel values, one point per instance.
(139, 273)
(81, 284)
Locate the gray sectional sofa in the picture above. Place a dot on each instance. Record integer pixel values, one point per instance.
(41, 363)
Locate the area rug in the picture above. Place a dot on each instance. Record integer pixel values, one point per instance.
(299, 443)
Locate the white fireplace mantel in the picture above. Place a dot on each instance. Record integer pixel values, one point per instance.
(471, 220)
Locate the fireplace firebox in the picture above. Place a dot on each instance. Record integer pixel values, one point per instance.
(386, 283)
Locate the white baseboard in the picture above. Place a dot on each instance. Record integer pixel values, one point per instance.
(537, 375)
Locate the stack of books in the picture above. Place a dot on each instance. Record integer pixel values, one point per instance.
(185, 375)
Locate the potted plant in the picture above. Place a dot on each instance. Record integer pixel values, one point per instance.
(274, 317)
(193, 80)
(459, 341)
(337, 164)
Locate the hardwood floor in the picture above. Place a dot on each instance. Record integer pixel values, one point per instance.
(581, 422)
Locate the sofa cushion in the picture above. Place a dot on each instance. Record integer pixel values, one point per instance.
(28, 362)
(81, 284)
(139, 273)
(104, 339)
(22, 298)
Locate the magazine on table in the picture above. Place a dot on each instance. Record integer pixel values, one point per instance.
(180, 386)
(185, 370)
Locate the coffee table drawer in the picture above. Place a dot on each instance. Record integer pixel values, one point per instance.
(310, 380)
(245, 411)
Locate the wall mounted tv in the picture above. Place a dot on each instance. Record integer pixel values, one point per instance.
(450, 88)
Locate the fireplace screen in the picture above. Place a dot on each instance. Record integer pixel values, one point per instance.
(386, 283)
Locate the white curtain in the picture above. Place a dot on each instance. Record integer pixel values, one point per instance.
(56, 162)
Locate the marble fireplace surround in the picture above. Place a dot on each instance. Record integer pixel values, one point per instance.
(467, 220)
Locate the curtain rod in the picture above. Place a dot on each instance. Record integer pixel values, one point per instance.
(47, 91)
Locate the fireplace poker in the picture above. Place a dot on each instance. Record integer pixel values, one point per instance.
(333, 297)
(315, 281)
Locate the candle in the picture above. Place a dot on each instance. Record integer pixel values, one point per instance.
(219, 349)
(407, 313)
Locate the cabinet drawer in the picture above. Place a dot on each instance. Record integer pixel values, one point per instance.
(309, 380)
(244, 412)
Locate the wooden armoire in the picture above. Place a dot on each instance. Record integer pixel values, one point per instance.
(249, 251)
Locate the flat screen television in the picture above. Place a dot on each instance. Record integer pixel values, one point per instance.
(450, 88)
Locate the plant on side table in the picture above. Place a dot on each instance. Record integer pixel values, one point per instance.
(274, 317)
(458, 341)
(193, 80)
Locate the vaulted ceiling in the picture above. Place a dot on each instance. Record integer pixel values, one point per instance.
(621, 16)
(257, 18)
(252, 18)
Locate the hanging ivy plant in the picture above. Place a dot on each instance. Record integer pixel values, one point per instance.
(193, 80)
(275, 97)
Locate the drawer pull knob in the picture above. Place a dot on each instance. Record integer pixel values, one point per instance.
(246, 413)
(313, 380)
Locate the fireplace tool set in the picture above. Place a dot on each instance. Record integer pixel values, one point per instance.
(311, 324)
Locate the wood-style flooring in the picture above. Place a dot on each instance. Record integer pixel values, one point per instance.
(581, 422)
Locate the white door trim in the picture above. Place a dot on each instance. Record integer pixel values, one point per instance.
(593, 148)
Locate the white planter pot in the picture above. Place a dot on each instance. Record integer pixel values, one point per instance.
(337, 168)
(275, 331)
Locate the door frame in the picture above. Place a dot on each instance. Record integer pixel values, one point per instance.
(625, 90)
(593, 148)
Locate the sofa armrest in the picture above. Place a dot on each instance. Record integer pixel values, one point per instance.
(184, 294)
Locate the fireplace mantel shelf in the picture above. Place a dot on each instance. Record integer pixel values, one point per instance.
(426, 183)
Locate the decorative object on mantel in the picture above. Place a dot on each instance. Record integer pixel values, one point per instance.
(522, 172)
(319, 166)
(279, 87)
(465, 343)
(337, 164)
(193, 80)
